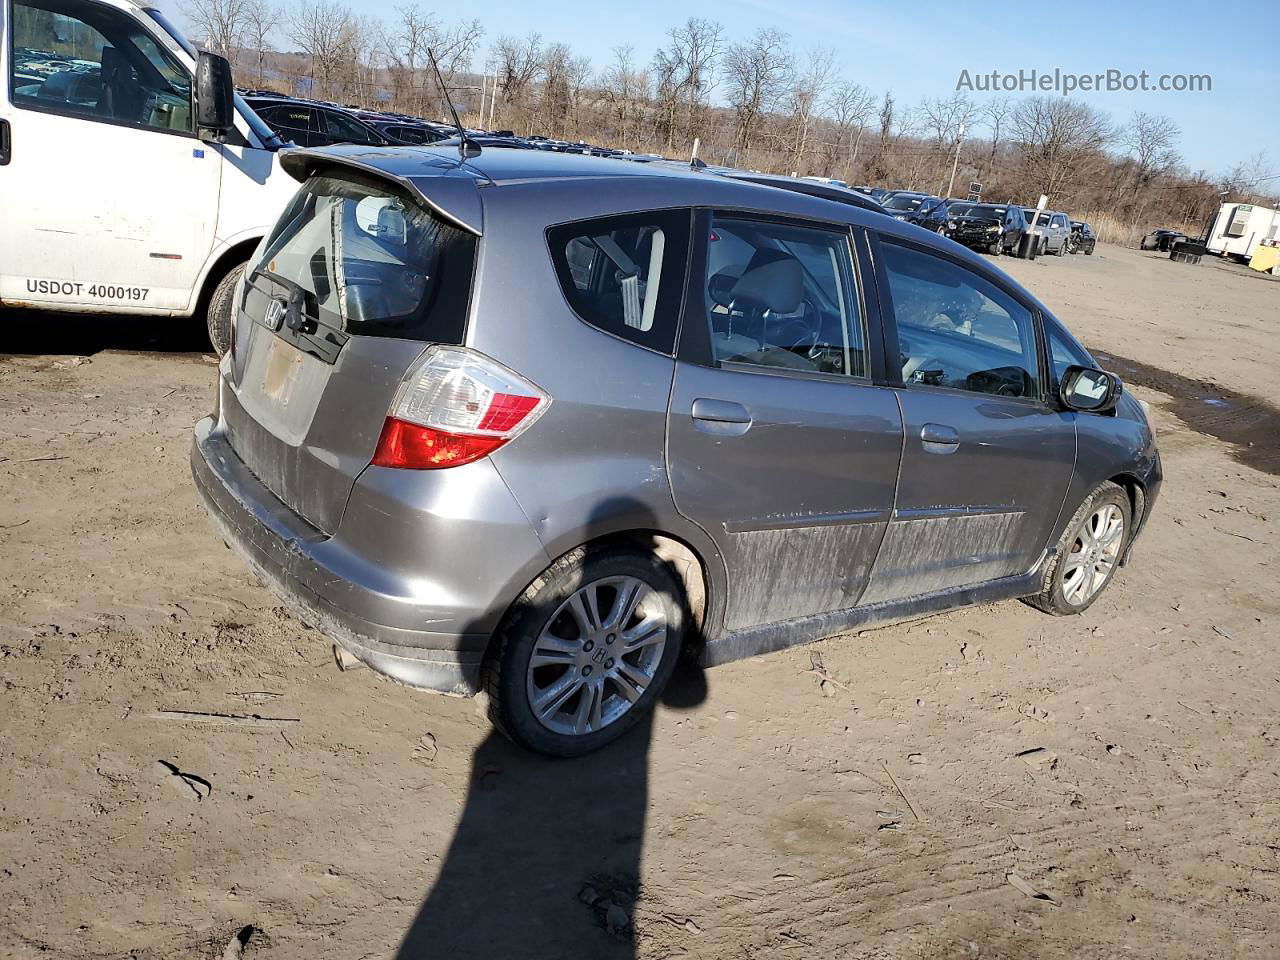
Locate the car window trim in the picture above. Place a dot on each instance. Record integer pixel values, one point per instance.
(191, 134)
(889, 319)
(696, 347)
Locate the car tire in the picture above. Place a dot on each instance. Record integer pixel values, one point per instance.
(1089, 252)
(1071, 583)
(1062, 249)
(549, 620)
(218, 314)
(994, 249)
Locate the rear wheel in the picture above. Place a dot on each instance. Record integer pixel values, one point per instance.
(221, 303)
(1088, 553)
(585, 652)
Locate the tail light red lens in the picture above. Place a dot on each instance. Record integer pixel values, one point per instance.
(456, 406)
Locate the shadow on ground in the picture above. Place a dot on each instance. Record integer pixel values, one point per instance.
(39, 332)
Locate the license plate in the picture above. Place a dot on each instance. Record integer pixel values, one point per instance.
(284, 366)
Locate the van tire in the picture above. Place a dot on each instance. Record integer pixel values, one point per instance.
(507, 666)
(218, 315)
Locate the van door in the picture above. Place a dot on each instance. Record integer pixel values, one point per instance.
(109, 201)
(779, 445)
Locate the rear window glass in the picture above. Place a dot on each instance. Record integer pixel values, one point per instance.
(369, 261)
(626, 274)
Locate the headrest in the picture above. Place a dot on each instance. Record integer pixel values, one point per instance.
(773, 281)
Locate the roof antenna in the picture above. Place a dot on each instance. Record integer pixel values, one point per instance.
(466, 148)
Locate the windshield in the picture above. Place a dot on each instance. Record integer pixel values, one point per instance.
(959, 209)
(986, 210)
(904, 202)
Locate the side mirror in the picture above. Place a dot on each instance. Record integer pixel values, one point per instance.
(215, 90)
(1087, 390)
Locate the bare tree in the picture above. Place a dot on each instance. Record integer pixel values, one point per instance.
(685, 70)
(624, 89)
(261, 18)
(808, 88)
(1055, 135)
(221, 23)
(995, 114)
(944, 121)
(319, 29)
(519, 64)
(849, 107)
(757, 73)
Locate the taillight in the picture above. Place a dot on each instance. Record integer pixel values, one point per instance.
(456, 406)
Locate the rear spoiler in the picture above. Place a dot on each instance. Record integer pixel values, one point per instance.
(446, 185)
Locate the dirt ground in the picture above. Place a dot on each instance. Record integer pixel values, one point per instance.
(884, 812)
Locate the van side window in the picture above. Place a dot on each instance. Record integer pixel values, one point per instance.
(957, 329)
(97, 64)
(778, 295)
(625, 275)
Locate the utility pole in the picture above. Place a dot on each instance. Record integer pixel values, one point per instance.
(956, 162)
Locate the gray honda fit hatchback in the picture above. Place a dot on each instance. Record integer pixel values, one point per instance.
(535, 423)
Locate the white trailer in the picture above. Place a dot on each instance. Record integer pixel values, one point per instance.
(1238, 228)
(132, 178)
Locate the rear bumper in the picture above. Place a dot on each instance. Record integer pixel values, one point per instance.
(360, 604)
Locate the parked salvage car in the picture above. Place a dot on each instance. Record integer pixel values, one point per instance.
(1052, 227)
(309, 123)
(709, 415)
(989, 227)
(1083, 239)
(909, 206)
(1162, 240)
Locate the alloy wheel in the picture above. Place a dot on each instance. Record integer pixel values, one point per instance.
(1093, 554)
(596, 655)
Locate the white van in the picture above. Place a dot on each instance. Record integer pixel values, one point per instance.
(132, 178)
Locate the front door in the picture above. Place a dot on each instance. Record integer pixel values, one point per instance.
(109, 200)
(986, 461)
(779, 446)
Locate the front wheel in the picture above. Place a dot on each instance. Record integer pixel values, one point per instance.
(1088, 553)
(585, 652)
(221, 303)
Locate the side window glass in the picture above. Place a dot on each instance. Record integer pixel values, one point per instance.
(344, 129)
(1065, 352)
(98, 65)
(625, 275)
(777, 295)
(958, 330)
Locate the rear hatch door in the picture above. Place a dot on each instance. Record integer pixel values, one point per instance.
(356, 280)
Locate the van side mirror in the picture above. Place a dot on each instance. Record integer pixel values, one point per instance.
(215, 92)
(1087, 390)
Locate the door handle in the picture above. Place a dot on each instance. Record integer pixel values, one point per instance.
(720, 411)
(939, 438)
(6, 142)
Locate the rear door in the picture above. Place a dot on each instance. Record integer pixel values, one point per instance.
(355, 281)
(986, 460)
(779, 444)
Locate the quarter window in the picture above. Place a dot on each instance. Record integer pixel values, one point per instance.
(958, 330)
(95, 63)
(625, 275)
(783, 296)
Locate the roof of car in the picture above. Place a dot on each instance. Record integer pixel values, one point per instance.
(448, 184)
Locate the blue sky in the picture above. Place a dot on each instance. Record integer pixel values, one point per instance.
(918, 49)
